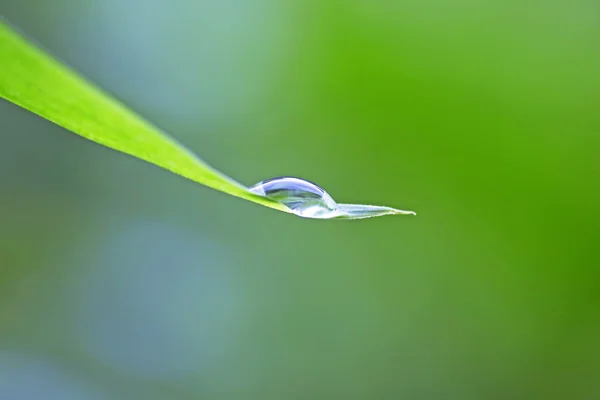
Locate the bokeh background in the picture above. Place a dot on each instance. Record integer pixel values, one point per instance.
(119, 280)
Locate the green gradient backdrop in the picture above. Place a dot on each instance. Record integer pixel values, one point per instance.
(122, 281)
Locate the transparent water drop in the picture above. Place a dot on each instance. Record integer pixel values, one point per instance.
(308, 200)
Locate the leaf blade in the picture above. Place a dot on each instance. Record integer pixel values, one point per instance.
(32, 79)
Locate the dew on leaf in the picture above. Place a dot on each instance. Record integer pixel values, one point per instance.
(308, 200)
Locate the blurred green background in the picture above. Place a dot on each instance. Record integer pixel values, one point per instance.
(119, 280)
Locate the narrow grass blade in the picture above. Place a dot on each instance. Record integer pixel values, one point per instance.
(35, 81)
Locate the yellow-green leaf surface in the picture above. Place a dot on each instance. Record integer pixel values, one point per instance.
(35, 81)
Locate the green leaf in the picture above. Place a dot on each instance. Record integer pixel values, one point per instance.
(35, 81)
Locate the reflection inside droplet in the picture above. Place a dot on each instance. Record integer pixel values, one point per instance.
(308, 200)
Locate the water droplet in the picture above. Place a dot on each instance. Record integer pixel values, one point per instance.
(308, 200)
(304, 198)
